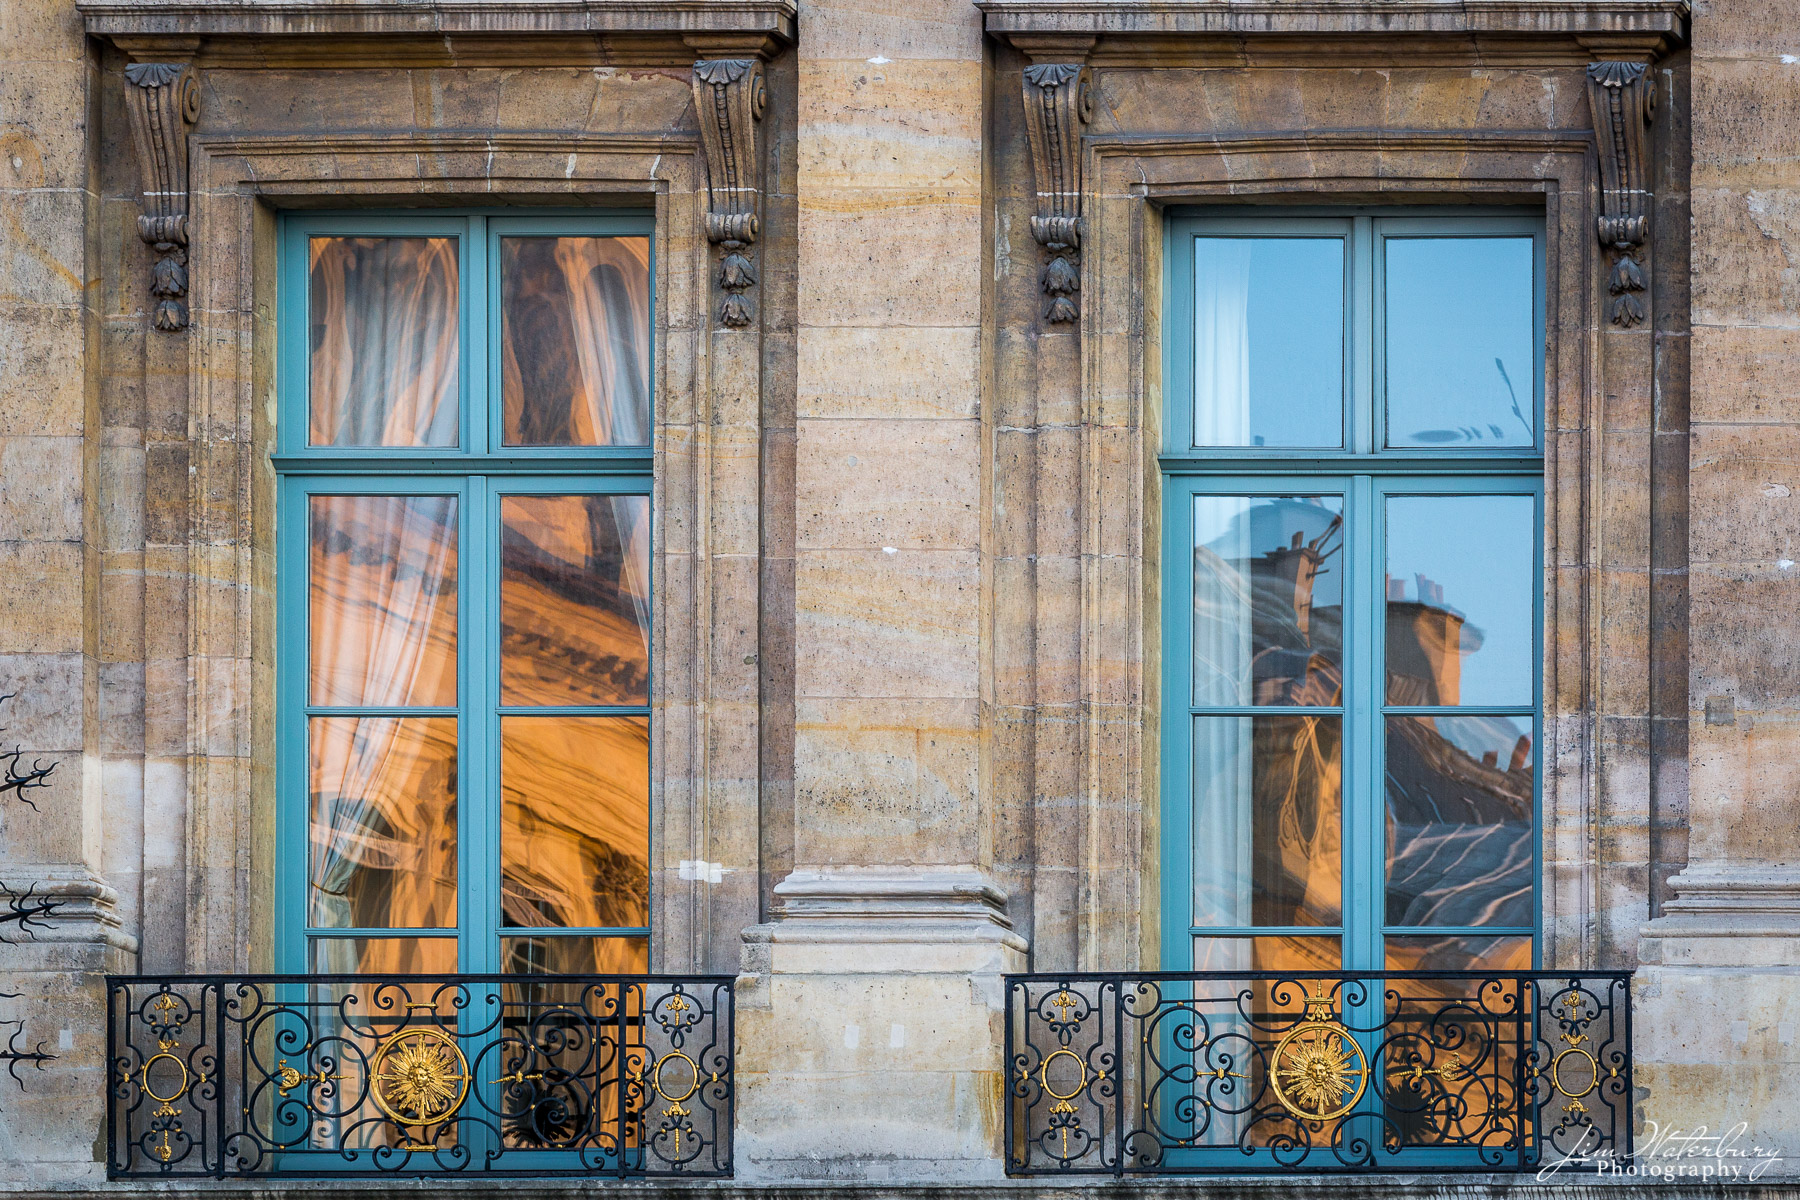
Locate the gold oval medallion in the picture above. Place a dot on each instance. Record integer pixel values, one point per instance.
(659, 1082)
(1593, 1067)
(180, 1088)
(419, 1076)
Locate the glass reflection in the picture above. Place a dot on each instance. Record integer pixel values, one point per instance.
(575, 600)
(1268, 600)
(379, 956)
(383, 600)
(1460, 821)
(1268, 341)
(1460, 373)
(575, 955)
(575, 341)
(1456, 952)
(1268, 821)
(383, 822)
(1267, 954)
(1461, 573)
(575, 822)
(385, 355)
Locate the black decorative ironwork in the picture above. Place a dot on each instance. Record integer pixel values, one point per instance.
(335, 1075)
(1125, 1074)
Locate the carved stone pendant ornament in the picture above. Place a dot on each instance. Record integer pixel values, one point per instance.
(729, 96)
(1057, 105)
(163, 100)
(1622, 98)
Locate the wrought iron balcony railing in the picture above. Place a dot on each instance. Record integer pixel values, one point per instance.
(1343, 1071)
(334, 1075)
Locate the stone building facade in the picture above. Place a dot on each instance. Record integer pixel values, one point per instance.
(912, 351)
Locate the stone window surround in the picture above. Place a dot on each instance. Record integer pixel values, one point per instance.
(706, 492)
(1119, 353)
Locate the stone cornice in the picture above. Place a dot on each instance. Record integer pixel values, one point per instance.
(771, 19)
(1658, 19)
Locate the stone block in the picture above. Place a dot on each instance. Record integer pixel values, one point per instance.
(888, 257)
(41, 597)
(908, 124)
(891, 29)
(862, 484)
(873, 624)
(897, 779)
(905, 371)
(1745, 374)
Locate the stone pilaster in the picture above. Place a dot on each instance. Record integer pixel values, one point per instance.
(878, 977)
(57, 847)
(1718, 992)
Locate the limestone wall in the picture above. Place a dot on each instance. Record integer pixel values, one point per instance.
(907, 568)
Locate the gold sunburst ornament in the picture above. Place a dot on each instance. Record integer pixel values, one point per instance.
(1318, 1072)
(419, 1077)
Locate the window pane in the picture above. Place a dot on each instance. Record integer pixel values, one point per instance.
(385, 358)
(1268, 821)
(383, 805)
(1461, 576)
(1460, 821)
(1460, 371)
(1509, 952)
(1267, 954)
(379, 956)
(1268, 600)
(383, 600)
(575, 600)
(575, 955)
(575, 333)
(1268, 341)
(575, 822)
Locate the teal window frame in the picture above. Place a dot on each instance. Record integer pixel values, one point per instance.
(1363, 473)
(480, 472)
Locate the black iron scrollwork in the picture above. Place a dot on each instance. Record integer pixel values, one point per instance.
(334, 1075)
(1345, 1071)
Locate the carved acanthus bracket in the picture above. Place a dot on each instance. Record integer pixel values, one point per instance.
(729, 97)
(163, 99)
(1057, 105)
(1622, 97)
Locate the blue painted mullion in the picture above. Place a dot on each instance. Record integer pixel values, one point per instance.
(291, 784)
(1266, 710)
(1359, 364)
(478, 805)
(1537, 717)
(1177, 732)
(380, 932)
(1364, 674)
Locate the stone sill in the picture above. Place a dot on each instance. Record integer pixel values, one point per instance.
(1599, 18)
(367, 18)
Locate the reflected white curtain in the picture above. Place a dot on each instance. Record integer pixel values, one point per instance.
(1223, 762)
(611, 312)
(1222, 654)
(384, 573)
(385, 354)
(608, 284)
(1222, 341)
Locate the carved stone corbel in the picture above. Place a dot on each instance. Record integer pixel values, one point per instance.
(163, 99)
(1622, 98)
(729, 97)
(1057, 105)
